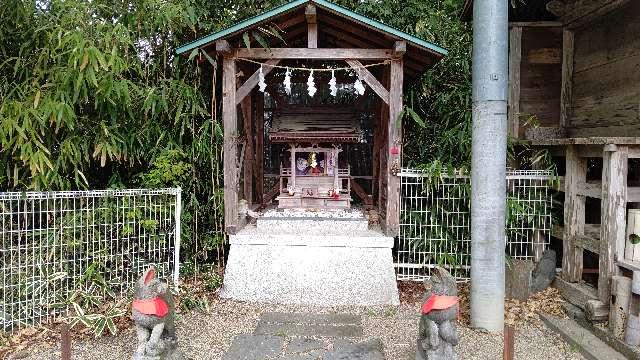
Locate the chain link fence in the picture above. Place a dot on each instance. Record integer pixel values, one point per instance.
(50, 240)
(435, 221)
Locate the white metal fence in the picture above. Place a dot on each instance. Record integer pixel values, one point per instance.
(435, 221)
(49, 240)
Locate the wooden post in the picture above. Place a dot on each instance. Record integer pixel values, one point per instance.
(65, 342)
(508, 351)
(249, 164)
(259, 158)
(292, 184)
(515, 58)
(613, 212)
(312, 27)
(394, 141)
(335, 170)
(230, 121)
(632, 333)
(619, 305)
(567, 77)
(573, 215)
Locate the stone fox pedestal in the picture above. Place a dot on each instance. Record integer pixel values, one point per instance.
(311, 261)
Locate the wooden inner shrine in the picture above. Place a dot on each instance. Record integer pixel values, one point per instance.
(316, 142)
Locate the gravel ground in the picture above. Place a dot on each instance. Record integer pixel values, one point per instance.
(208, 336)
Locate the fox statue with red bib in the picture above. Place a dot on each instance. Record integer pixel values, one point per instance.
(153, 312)
(437, 334)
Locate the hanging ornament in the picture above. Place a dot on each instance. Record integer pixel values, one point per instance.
(261, 84)
(333, 83)
(287, 82)
(359, 87)
(311, 86)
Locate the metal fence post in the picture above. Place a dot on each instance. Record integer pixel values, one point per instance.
(176, 248)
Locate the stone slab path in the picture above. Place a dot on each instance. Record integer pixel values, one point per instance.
(305, 337)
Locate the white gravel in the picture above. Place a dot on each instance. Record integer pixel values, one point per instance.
(208, 336)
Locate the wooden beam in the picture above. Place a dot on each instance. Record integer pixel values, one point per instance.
(252, 81)
(577, 294)
(370, 79)
(249, 164)
(613, 212)
(312, 26)
(399, 48)
(515, 59)
(222, 46)
(566, 96)
(259, 158)
(394, 148)
(230, 121)
(316, 54)
(535, 24)
(574, 212)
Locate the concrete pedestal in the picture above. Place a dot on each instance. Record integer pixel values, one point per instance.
(344, 265)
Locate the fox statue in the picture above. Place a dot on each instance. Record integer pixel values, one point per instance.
(437, 334)
(153, 312)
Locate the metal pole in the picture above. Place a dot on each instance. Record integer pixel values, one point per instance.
(176, 248)
(489, 149)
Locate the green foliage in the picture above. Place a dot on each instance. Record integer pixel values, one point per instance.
(94, 303)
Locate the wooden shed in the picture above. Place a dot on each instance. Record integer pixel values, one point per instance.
(322, 35)
(574, 68)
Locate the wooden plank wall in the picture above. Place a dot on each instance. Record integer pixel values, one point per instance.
(606, 94)
(540, 75)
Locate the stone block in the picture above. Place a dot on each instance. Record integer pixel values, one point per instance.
(518, 279)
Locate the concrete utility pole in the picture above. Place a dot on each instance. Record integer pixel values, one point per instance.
(488, 163)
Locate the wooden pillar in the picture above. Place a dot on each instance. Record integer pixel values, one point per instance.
(292, 184)
(382, 150)
(515, 58)
(230, 121)
(248, 166)
(567, 77)
(573, 215)
(394, 148)
(335, 169)
(613, 211)
(259, 158)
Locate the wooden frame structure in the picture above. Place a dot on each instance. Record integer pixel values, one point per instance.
(314, 30)
(573, 65)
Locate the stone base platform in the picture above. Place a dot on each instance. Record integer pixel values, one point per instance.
(342, 265)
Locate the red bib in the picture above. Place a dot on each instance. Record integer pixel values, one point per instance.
(438, 302)
(155, 306)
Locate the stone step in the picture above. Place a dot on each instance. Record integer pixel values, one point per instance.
(321, 225)
(353, 238)
(590, 346)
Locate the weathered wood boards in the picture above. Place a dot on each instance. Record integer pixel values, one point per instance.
(606, 96)
(578, 13)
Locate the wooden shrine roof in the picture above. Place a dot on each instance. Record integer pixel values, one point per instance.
(315, 124)
(338, 27)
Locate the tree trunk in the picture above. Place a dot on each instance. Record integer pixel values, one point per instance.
(489, 148)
